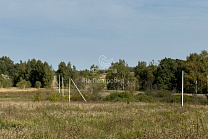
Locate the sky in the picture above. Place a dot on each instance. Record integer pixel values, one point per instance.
(80, 31)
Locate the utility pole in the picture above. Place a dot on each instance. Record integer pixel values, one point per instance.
(69, 89)
(79, 91)
(59, 84)
(182, 86)
(207, 76)
(62, 86)
(196, 91)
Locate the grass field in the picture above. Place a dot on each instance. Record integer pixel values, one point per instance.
(22, 118)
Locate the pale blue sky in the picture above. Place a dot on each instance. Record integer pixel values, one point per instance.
(81, 30)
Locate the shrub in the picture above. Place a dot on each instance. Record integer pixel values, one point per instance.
(159, 93)
(23, 84)
(38, 84)
(144, 98)
(118, 97)
(28, 84)
(54, 97)
(178, 99)
(64, 98)
(37, 97)
(95, 97)
(5, 81)
(78, 97)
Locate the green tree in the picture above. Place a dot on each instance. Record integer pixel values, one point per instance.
(47, 75)
(151, 71)
(38, 84)
(74, 73)
(7, 66)
(96, 86)
(5, 81)
(23, 84)
(118, 76)
(145, 75)
(63, 72)
(166, 71)
(67, 71)
(21, 72)
(196, 72)
(181, 66)
(141, 72)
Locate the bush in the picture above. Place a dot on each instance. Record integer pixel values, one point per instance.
(37, 97)
(119, 97)
(95, 97)
(54, 97)
(38, 84)
(28, 84)
(203, 101)
(144, 98)
(188, 99)
(159, 93)
(23, 84)
(166, 96)
(64, 98)
(5, 81)
(78, 97)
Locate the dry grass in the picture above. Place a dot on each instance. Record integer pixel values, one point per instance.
(25, 119)
(16, 89)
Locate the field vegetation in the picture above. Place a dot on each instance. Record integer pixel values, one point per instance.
(48, 114)
(25, 119)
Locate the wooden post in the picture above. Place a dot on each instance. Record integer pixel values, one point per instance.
(62, 86)
(182, 86)
(79, 91)
(59, 84)
(69, 89)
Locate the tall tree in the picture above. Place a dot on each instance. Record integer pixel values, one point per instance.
(66, 71)
(145, 75)
(47, 75)
(151, 71)
(118, 76)
(166, 71)
(196, 72)
(21, 72)
(181, 66)
(141, 72)
(37, 73)
(7, 66)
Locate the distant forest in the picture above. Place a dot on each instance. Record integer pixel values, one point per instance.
(167, 75)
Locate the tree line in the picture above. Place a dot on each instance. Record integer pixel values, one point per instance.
(167, 75)
(25, 74)
(163, 76)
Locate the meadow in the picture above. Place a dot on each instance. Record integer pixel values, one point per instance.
(20, 117)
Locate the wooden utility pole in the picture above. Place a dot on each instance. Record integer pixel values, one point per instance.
(59, 84)
(79, 91)
(69, 89)
(182, 86)
(62, 86)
